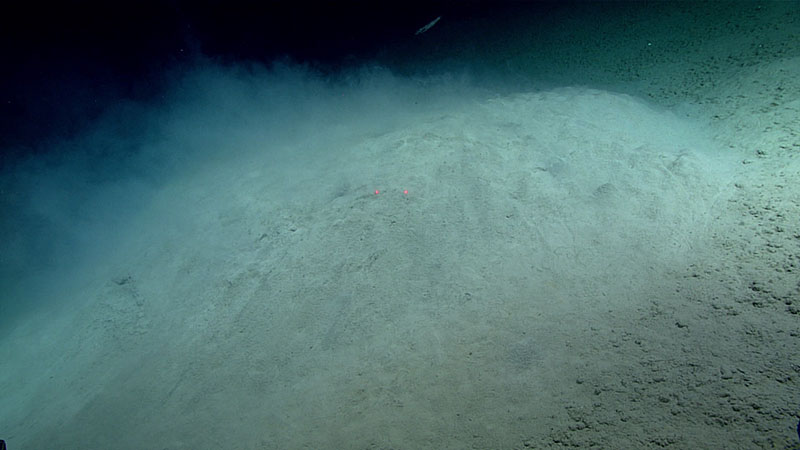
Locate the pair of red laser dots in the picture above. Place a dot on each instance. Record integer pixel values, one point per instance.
(378, 191)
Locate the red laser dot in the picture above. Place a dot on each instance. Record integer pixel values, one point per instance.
(405, 192)
(377, 192)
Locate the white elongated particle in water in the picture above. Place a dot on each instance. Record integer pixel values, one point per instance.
(428, 26)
